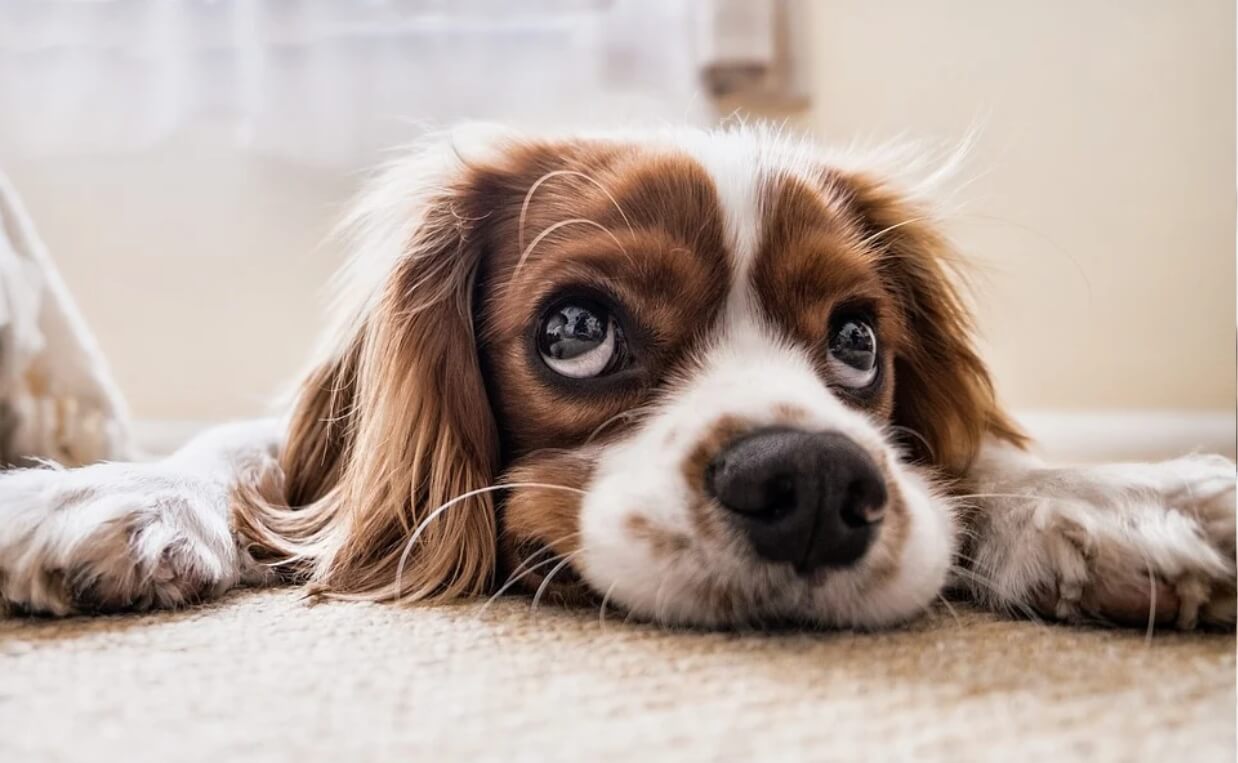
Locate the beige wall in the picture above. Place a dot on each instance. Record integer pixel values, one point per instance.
(201, 271)
(1102, 208)
(1100, 212)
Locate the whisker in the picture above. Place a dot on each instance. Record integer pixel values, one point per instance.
(1151, 608)
(541, 589)
(992, 586)
(628, 617)
(517, 574)
(1054, 245)
(548, 452)
(524, 254)
(412, 541)
(528, 197)
(918, 436)
(657, 595)
(657, 600)
(602, 607)
(1151, 627)
(970, 533)
(1024, 496)
(889, 229)
(965, 558)
(511, 581)
(950, 608)
(621, 415)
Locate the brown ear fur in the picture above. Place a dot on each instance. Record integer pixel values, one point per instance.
(943, 392)
(392, 427)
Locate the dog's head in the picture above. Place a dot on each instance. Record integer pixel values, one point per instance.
(706, 377)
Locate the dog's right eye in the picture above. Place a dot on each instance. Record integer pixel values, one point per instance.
(853, 352)
(580, 339)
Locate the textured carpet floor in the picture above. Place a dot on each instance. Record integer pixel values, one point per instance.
(262, 676)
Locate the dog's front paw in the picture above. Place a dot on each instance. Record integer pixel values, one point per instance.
(1122, 543)
(112, 537)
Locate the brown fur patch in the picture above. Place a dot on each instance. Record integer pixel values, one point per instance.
(726, 430)
(656, 254)
(704, 511)
(808, 266)
(662, 542)
(541, 525)
(789, 414)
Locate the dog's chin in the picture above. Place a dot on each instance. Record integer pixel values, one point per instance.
(717, 582)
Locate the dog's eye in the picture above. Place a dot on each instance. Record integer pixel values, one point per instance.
(853, 353)
(580, 339)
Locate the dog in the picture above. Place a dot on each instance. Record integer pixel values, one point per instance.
(707, 378)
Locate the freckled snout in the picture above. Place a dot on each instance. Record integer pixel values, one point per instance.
(810, 499)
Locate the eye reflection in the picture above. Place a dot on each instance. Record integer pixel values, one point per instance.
(853, 353)
(580, 339)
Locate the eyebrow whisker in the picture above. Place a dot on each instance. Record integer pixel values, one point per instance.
(891, 228)
(630, 413)
(528, 198)
(524, 255)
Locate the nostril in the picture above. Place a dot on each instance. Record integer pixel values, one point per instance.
(864, 503)
(755, 495)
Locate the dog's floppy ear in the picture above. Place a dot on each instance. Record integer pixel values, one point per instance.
(943, 392)
(394, 425)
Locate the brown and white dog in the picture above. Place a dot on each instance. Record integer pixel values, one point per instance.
(706, 377)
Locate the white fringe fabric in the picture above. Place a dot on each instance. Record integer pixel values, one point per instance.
(57, 399)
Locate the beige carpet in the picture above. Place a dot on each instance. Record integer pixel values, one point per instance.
(262, 676)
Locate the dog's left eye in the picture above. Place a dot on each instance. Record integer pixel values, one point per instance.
(580, 339)
(853, 353)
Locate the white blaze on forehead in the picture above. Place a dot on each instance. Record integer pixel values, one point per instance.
(734, 163)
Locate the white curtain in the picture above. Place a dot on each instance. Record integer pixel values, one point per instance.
(332, 81)
(166, 146)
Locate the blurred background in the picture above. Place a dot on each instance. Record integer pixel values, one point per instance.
(185, 159)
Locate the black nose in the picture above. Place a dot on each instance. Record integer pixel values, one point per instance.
(810, 499)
